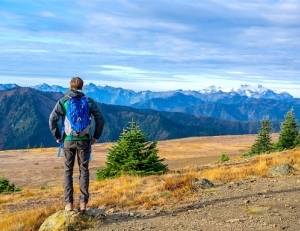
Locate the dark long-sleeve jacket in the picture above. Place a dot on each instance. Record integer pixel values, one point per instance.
(59, 112)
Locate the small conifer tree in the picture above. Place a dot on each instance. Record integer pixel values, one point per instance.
(289, 132)
(132, 154)
(263, 141)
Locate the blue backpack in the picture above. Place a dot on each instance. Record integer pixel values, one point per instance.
(77, 118)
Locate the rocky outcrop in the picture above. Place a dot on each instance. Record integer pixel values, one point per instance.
(201, 184)
(281, 169)
(73, 221)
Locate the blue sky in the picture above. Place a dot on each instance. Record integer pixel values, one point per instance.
(152, 45)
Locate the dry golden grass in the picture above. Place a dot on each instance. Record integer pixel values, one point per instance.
(257, 166)
(26, 219)
(26, 210)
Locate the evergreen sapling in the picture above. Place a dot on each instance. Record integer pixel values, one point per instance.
(132, 154)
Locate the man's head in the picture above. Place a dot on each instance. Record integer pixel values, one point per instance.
(76, 83)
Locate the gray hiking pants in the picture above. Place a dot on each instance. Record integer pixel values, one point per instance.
(82, 150)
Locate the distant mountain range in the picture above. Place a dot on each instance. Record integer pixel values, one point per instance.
(242, 103)
(25, 112)
(120, 96)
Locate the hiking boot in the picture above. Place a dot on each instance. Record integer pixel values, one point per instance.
(69, 207)
(83, 206)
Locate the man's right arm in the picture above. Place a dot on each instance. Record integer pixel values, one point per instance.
(55, 115)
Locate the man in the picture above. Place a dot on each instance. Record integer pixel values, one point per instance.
(76, 145)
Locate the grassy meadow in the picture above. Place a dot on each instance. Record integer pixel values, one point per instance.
(39, 173)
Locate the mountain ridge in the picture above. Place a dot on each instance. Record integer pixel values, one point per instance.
(246, 90)
(243, 103)
(25, 113)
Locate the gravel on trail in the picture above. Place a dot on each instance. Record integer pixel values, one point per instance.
(271, 203)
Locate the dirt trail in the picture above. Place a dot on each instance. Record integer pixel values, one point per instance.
(252, 204)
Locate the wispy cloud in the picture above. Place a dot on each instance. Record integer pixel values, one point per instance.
(132, 74)
(179, 43)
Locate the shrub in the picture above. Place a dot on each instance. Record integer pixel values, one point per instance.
(224, 157)
(5, 186)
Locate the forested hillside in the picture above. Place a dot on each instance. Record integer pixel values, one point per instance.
(25, 112)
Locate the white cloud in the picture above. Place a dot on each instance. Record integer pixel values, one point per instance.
(153, 43)
(132, 74)
(235, 72)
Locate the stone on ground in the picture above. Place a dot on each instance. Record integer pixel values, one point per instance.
(281, 169)
(64, 220)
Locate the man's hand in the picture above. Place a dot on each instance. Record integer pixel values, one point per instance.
(94, 141)
(58, 141)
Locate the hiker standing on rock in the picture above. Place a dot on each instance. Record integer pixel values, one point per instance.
(75, 110)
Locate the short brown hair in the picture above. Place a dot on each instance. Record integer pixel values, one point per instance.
(76, 83)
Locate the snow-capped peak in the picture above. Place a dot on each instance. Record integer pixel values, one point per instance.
(249, 90)
(42, 87)
(211, 89)
(46, 87)
(8, 86)
(258, 92)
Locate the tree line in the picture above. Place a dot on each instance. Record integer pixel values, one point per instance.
(132, 154)
(289, 136)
